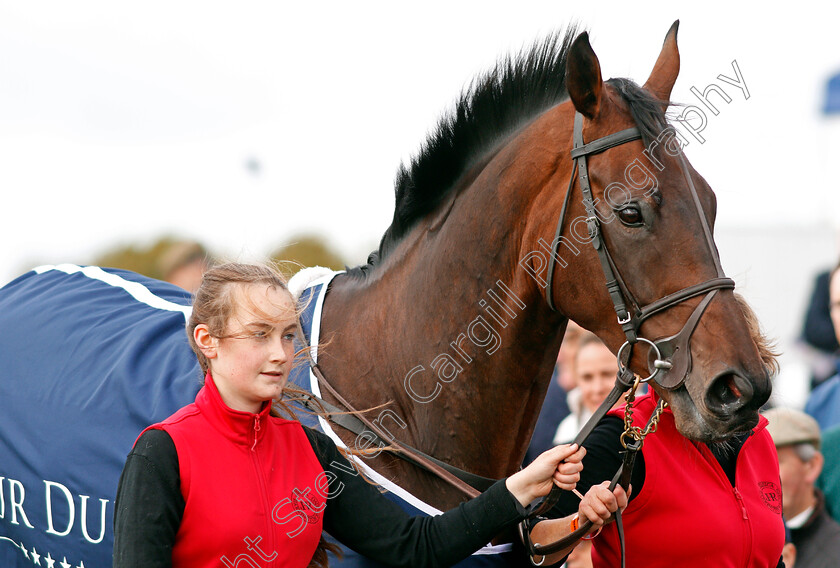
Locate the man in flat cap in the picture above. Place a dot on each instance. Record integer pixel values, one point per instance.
(815, 534)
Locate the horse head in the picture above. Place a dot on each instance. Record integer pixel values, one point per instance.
(654, 263)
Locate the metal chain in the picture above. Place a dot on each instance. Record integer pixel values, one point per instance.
(633, 437)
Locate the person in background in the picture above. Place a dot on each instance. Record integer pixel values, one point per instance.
(555, 406)
(818, 332)
(595, 368)
(829, 480)
(566, 357)
(184, 264)
(789, 551)
(824, 402)
(814, 533)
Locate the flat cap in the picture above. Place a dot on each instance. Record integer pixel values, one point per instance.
(788, 426)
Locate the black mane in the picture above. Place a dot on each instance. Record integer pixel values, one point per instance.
(494, 106)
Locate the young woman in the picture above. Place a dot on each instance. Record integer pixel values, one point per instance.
(225, 482)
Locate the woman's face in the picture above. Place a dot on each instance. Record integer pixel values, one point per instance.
(595, 369)
(250, 364)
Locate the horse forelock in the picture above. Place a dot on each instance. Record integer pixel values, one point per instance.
(648, 112)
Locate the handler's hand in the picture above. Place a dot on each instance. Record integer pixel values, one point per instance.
(599, 503)
(560, 466)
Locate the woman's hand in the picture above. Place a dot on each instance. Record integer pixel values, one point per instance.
(599, 504)
(560, 466)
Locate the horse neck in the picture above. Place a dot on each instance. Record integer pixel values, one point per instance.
(452, 333)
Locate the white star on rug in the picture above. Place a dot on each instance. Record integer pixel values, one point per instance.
(36, 558)
(25, 552)
(81, 564)
(49, 560)
(64, 563)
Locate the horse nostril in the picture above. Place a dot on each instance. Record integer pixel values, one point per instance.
(728, 393)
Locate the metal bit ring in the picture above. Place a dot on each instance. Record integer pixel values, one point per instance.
(658, 367)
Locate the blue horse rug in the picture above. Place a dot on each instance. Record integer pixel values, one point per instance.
(90, 357)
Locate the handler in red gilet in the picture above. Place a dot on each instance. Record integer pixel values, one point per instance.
(691, 504)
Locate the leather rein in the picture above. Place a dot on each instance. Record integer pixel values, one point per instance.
(669, 359)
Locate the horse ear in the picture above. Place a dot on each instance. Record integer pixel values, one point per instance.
(583, 77)
(667, 67)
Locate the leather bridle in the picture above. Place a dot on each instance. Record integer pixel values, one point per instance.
(670, 358)
(619, 292)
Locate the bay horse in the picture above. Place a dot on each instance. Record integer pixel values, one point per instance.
(452, 326)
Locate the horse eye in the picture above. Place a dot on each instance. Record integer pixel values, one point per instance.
(631, 215)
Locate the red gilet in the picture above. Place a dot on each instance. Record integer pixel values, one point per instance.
(254, 489)
(688, 513)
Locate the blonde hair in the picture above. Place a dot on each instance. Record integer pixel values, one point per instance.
(586, 338)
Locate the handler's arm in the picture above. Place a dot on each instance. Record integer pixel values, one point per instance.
(149, 504)
(359, 516)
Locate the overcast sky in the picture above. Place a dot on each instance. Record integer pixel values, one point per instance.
(242, 124)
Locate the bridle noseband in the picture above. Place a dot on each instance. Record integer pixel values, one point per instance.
(669, 359)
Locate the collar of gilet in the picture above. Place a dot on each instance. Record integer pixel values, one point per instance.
(244, 428)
